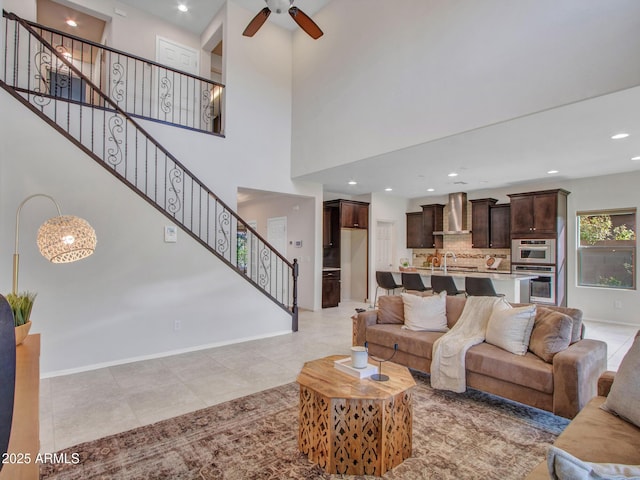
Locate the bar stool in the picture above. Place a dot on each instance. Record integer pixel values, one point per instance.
(412, 281)
(444, 282)
(480, 287)
(385, 280)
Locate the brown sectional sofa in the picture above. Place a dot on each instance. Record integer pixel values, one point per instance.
(563, 386)
(597, 436)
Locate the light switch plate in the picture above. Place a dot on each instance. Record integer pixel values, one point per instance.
(170, 233)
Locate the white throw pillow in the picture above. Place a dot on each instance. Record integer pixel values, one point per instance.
(624, 398)
(425, 313)
(564, 466)
(510, 328)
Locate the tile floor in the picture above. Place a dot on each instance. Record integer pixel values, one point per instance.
(90, 405)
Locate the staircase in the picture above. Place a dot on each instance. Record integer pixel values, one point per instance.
(63, 80)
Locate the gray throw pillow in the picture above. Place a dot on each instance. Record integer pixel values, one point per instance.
(624, 398)
(563, 466)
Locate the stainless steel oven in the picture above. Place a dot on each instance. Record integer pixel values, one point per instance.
(542, 288)
(525, 250)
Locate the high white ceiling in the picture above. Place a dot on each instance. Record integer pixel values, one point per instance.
(574, 139)
(202, 11)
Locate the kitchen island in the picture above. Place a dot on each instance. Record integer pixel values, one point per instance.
(514, 286)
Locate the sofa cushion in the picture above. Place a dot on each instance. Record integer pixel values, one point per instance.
(624, 397)
(576, 319)
(551, 333)
(510, 328)
(564, 466)
(415, 343)
(455, 306)
(390, 309)
(527, 370)
(598, 436)
(425, 314)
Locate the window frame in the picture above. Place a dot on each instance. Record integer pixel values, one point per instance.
(630, 247)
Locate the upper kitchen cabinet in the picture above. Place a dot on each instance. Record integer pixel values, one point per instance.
(415, 230)
(353, 214)
(499, 227)
(538, 214)
(330, 226)
(421, 225)
(481, 222)
(489, 224)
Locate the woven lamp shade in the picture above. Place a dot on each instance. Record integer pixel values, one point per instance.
(66, 239)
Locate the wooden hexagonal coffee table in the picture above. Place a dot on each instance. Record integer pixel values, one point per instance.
(354, 426)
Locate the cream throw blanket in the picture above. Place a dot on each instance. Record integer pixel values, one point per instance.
(448, 364)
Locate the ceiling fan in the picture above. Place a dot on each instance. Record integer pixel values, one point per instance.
(279, 6)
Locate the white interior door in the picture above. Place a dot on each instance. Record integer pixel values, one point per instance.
(384, 245)
(177, 56)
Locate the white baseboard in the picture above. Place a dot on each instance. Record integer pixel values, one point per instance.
(97, 366)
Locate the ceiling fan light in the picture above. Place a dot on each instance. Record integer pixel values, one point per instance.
(279, 6)
(66, 239)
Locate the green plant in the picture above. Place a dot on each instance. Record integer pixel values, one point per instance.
(21, 305)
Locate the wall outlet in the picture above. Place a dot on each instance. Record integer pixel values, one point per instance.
(177, 325)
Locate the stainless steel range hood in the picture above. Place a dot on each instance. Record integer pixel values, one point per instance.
(457, 215)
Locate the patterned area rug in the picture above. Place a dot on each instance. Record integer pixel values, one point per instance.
(455, 436)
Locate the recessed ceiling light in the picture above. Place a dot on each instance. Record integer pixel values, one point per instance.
(618, 136)
(72, 23)
(453, 174)
(551, 172)
(388, 189)
(635, 158)
(431, 189)
(182, 7)
(352, 182)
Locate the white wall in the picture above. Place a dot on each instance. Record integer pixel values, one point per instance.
(388, 75)
(386, 207)
(300, 214)
(120, 303)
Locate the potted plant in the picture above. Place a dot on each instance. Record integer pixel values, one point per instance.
(21, 305)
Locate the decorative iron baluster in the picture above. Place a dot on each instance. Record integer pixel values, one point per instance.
(114, 153)
(175, 178)
(223, 245)
(42, 60)
(117, 90)
(165, 95)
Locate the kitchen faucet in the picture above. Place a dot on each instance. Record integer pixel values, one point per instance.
(445, 260)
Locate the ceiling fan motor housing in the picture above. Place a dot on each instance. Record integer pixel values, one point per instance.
(279, 6)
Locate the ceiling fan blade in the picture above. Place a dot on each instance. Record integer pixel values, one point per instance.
(257, 22)
(305, 23)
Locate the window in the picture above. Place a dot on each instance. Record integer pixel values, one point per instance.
(607, 248)
(67, 86)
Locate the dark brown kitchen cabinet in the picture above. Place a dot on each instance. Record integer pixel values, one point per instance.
(500, 226)
(489, 224)
(354, 214)
(415, 230)
(421, 225)
(330, 227)
(536, 214)
(481, 222)
(433, 221)
(330, 288)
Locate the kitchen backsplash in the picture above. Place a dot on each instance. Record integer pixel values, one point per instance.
(460, 244)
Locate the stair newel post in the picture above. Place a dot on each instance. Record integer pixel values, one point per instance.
(294, 307)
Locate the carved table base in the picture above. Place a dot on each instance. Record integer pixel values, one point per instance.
(354, 435)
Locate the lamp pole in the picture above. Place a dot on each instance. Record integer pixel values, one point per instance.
(16, 256)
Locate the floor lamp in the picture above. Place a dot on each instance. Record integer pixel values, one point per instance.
(61, 239)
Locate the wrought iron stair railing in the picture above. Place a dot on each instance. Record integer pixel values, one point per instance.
(104, 131)
(140, 87)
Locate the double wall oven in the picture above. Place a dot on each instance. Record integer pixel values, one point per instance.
(536, 257)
